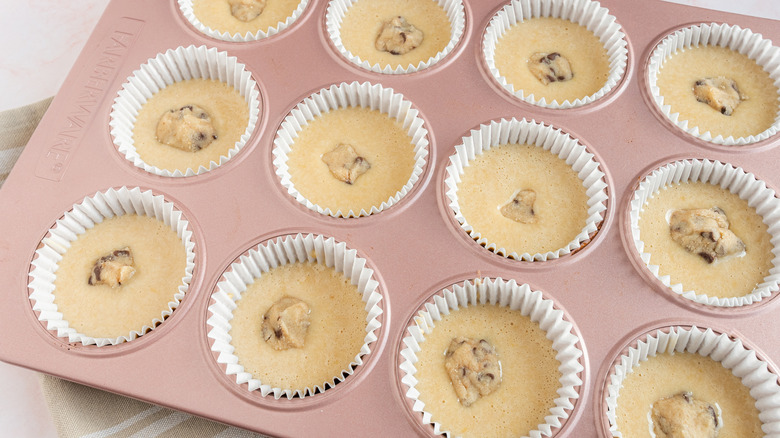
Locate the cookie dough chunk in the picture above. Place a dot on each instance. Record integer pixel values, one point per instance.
(246, 10)
(398, 37)
(188, 128)
(682, 416)
(113, 269)
(721, 93)
(473, 367)
(550, 67)
(521, 207)
(345, 164)
(285, 323)
(705, 232)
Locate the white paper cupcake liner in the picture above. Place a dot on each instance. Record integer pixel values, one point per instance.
(731, 353)
(550, 139)
(335, 15)
(165, 69)
(83, 216)
(735, 180)
(186, 9)
(744, 41)
(366, 95)
(521, 298)
(278, 252)
(586, 13)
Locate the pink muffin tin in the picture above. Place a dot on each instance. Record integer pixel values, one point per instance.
(415, 247)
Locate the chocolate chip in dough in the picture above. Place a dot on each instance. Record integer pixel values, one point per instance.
(705, 233)
(398, 37)
(113, 269)
(286, 323)
(550, 67)
(682, 416)
(721, 93)
(246, 10)
(345, 164)
(521, 207)
(188, 128)
(473, 367)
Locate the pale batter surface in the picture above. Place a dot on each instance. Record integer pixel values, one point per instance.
(363, 21)
(732, 276)
(216, 15)
(334, 338)
(492, 179)
(668, 374)
(227, 109)
(102, 311)
(381, 140)
(530, 376)
(678, 74)
(586, 54)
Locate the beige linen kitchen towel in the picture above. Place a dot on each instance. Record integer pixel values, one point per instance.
(79, 411)
(16, 127)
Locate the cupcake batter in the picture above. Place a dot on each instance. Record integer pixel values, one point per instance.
(493, 179)
(363, 22)
(217, 15)
(100, 310)
(582, 49)
(732, 276)
(335, 335)
(530, 376)
(668, 374)
(228, 113)
(376, 137)
(753, 115)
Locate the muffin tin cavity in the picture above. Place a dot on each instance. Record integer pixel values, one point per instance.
(556, 142)
(176, 66)
(727, 177)
(343, 96)
(74, 223)
(186, 7)
(729, 351)
(337, 9)
(586, 13)
(258, 261)
(743, 41)
(543, 313)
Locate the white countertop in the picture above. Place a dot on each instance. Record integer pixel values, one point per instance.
(40, 40)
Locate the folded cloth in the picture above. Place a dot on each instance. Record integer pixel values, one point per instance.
(81, 411)
(16, 127)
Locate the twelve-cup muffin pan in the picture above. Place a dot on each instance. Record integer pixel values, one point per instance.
(413, 250)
